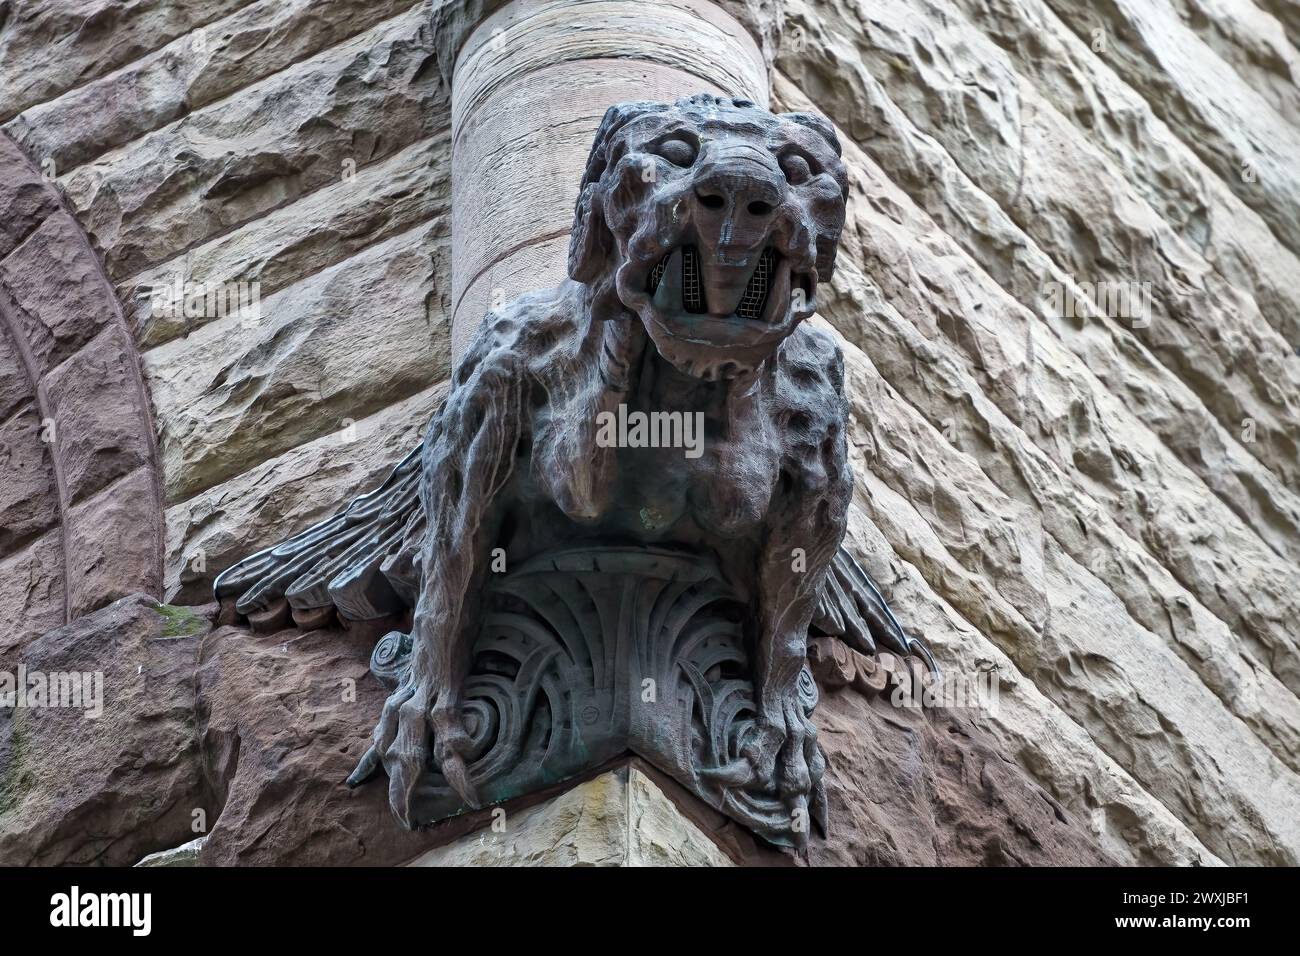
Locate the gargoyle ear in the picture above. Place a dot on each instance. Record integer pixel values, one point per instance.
(589, 240)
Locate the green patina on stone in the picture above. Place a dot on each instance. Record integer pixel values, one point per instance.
(180, 621)
(652, 518)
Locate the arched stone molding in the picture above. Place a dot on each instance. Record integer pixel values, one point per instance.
(81, 507)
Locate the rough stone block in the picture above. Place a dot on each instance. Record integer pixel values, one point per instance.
(29, 497)
(25, 199)
(95, 400)
(112, 543)
(619, 818)
(31, 593)
(58, 292)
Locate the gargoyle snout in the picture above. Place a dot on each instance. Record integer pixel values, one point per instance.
(737, 195)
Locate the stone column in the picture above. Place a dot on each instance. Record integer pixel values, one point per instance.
(532, 80)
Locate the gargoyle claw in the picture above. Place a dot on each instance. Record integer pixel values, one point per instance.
(737, 773)
(371, 762)
(453, 768)
(451, 745)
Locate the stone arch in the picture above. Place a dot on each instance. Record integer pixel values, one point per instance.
(81, 517)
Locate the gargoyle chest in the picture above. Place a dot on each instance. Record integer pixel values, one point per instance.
(663, 489)
(678, 473)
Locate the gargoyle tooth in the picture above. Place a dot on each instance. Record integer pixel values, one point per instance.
(668, 287)
(693, 300)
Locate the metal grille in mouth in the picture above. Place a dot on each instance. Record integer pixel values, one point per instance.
(754, 301)
(692, 286)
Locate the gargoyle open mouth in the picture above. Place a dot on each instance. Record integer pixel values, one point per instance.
(682, 284)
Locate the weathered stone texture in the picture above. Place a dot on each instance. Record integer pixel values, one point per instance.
(57, 292)
(112, 546)
(52, 47)
(108, 789)
(326, 352)
(217, 527)
(262, 147)
(75, 426)
(322, 229)
(25, 202)
(247, 739)
(619, 818)
(195, 69)
(92, 399)
(31, 591)
(29, 497)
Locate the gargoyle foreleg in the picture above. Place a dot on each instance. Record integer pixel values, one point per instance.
(804, 533)
(468, 458)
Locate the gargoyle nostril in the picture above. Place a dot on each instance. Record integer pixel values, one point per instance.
(759, 208)
(710, 201)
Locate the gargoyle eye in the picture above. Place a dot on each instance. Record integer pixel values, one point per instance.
(677, 151)
(795, 168)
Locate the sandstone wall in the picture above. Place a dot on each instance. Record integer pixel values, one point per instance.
(1104, 510)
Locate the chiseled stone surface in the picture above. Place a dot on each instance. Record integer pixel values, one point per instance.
(31, 591)
(619, 818)
(246, 740)
(25, 201)
(322, 229)
(57, 292)
(1216, 110)
(60, 44)
(111, 545)
(195, 69)
(229, 521)
(261, 147)
(1105, 512)
(92, 400)
(326, 352)
(29, 499)
(106, 789)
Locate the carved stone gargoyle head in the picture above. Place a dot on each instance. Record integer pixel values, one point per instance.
(714, 220)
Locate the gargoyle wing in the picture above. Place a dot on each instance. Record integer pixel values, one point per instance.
(852, 609)
(362, 561)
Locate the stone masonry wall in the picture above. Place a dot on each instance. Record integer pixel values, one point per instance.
(1105, 508)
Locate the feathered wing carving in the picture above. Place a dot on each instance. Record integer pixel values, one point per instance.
(852, 608)
(363, 562)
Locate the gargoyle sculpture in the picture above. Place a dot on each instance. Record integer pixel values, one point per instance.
(565, 593)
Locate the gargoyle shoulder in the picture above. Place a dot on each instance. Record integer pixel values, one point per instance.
(811, 363)
(537, 333)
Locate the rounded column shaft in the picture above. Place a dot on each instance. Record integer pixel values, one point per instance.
(530, 86)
